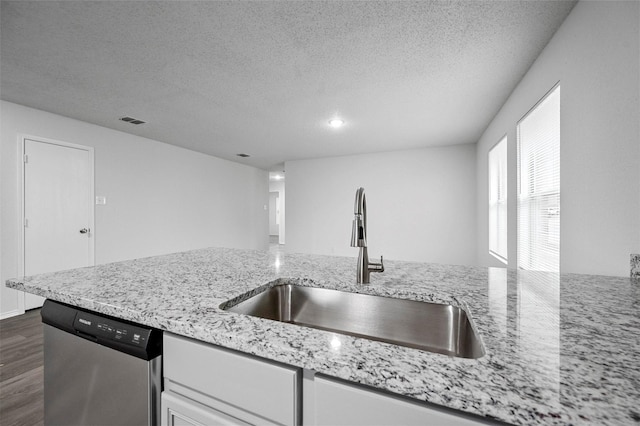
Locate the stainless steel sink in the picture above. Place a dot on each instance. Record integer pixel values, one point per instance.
(433, 327)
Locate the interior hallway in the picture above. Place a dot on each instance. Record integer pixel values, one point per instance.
(274, 246)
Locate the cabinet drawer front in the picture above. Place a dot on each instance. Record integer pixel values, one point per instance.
(260, 387)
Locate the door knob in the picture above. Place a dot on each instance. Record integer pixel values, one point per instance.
(84, 230)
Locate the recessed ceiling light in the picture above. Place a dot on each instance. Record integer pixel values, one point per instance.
(336, 123)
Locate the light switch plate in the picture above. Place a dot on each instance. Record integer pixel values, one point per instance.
(101, 201)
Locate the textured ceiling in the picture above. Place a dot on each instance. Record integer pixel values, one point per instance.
(264, 78)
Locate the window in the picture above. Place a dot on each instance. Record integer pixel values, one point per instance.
(539, 186)
(498, 200)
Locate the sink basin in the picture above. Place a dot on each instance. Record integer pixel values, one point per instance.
(432, 327)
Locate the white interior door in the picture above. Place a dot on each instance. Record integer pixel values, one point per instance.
(58, 209)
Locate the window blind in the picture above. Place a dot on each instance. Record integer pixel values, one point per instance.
(538, 136)
(498, 200)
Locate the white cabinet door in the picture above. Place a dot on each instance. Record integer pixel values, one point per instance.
(177, 411)
(241, 386)
(337, 403)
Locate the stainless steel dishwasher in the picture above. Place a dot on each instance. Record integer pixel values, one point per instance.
(99, 370)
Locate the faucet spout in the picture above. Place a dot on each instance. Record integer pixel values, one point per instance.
(359, 239)
(359, 227)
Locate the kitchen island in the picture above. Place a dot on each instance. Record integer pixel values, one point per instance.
(559, 349)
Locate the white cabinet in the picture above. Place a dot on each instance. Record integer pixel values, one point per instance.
(332, 402)
(208, 385)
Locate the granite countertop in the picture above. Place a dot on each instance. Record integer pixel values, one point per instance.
(560, 349)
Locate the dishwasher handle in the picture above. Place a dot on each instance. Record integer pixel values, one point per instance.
(87, 336)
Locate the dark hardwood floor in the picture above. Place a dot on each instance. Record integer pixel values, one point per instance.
(21, 370)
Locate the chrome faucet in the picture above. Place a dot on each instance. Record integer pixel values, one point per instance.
(359, 239)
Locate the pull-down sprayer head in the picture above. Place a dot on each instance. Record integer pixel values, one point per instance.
(359, 239)
(359, 227)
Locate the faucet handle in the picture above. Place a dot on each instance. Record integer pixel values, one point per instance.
(377, 267)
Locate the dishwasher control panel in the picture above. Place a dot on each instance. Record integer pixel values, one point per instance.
(99, 326)
(134, 339)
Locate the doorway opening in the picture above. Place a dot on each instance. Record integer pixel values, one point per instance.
(276, 210)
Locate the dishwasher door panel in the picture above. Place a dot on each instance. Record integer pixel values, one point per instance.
(90, 384)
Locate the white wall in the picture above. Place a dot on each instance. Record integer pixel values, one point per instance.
(420, 204)
(595, 56)
(160, 198)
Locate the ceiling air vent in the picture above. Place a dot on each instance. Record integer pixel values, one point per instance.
(132, 120)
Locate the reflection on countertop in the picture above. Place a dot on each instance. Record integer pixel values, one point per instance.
(560, 348)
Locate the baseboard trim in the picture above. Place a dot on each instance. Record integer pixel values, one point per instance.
(14, 313)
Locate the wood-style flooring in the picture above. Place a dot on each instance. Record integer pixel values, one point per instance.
(21, 370)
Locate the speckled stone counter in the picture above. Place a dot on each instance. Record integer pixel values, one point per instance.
(559, 349)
